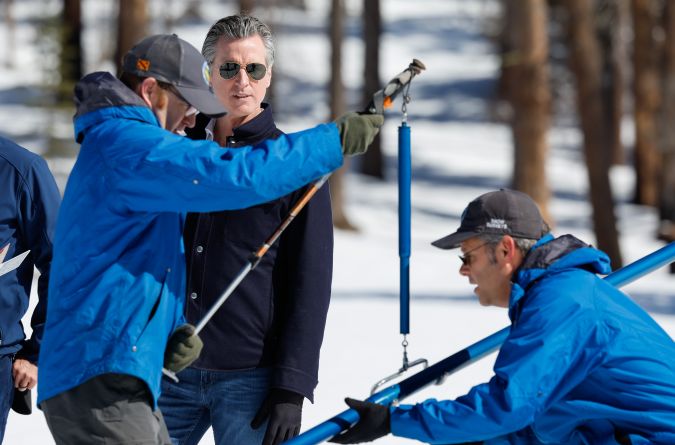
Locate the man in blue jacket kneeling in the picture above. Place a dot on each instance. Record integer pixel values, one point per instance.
(115, 314)
(582, 363)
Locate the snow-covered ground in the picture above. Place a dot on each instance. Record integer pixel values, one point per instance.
(457, 155)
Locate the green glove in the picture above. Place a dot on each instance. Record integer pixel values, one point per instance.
(182, 349)
(357, 131)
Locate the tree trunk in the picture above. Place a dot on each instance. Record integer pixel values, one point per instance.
(10, 42)
(297, 4)
(131, 27)
(337, 107)
(372, 162)
(646, 53)
(529, 96)
(246, 6)
(586, 64)
(505, 49)
(666, 230)
(70, 62)
(611, 18)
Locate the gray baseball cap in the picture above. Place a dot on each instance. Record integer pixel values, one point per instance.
(502, 212)
(170, 59)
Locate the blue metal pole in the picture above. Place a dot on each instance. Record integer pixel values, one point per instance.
(404, 181)
(643, 266)
(458, 360)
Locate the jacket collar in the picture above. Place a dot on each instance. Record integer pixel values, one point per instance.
(250, 131)
(549, 256)
(100, 96)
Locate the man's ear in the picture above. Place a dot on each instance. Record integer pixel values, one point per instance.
(147, 90)
(507, 254)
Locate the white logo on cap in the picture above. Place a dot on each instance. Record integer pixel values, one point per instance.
(206, 74)
(495, 223)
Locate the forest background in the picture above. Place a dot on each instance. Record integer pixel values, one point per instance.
(570, 101)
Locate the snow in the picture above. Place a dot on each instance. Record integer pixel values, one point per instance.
(458, 153)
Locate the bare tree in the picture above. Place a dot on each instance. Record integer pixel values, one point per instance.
(666, 230)
(646, 55)
(529, 95)
(611, 19)
(337, 107)
(297, 4)
(70, 61)
(586, 60)
(246, 6)
(371, 161)
(132, 25)
(10, 42)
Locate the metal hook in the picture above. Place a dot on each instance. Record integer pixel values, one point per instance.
(406, 365)
(405, 100)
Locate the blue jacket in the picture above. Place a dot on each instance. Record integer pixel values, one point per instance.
(277, 315)
(118, 275)
(582, 364)
(29, 203)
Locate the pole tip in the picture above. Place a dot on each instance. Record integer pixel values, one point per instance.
(417, 66)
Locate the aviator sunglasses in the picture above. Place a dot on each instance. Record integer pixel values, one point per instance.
(255, 71)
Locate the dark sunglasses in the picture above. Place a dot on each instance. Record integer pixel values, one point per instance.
(255, 71)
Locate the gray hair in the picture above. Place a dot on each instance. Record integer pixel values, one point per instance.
(492, 239)
(235, 27)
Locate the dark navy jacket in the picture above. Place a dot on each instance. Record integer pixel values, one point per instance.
(29, 203)
(277, 315)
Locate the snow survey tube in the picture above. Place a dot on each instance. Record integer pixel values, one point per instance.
(404, 184)
(458, 360)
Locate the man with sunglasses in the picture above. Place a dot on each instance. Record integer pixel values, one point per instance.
(261, 349)
(582, 363)
(117, 284)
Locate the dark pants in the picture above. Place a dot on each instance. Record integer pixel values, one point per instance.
(6, 391)
(108, 409)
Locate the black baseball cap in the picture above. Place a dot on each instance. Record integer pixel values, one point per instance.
(170, 59)
(503, 212)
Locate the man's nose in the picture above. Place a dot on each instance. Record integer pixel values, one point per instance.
(190, 120)
(242, 76)
(464, 270)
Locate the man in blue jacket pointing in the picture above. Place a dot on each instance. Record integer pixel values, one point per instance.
(582, 364)
(115, 314)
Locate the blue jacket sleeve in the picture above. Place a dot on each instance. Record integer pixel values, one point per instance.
(303, 272)
(550, 349)
(39, 204)
(154, 170)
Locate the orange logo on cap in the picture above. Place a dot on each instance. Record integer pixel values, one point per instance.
(143, 64)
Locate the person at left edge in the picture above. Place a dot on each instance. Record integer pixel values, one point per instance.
(118, 275)
(29, 203)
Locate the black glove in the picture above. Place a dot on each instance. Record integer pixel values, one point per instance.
(182, 349)
(284, 409)
(373, 423)
(357, 131)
